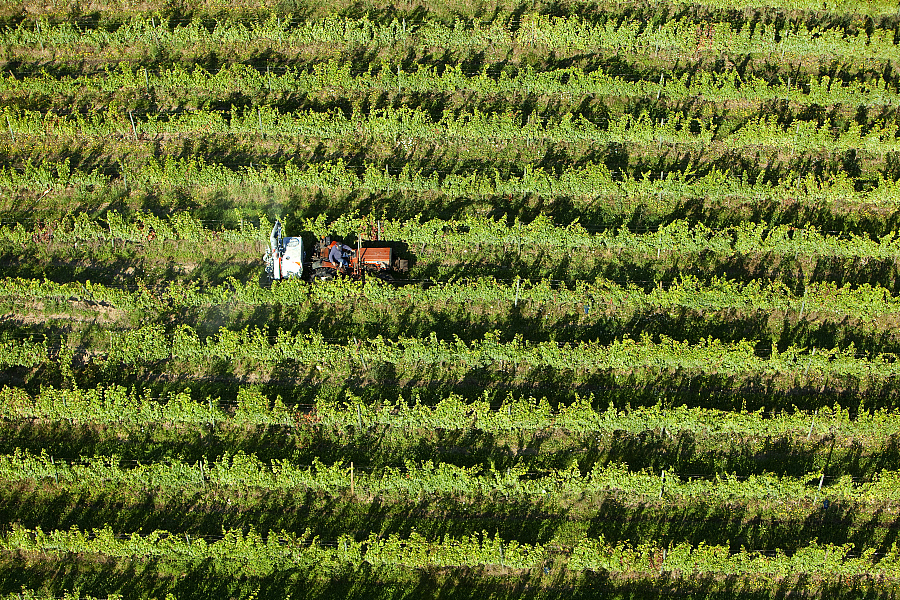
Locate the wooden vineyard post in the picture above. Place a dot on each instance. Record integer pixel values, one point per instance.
(352, 487)
(133, 128)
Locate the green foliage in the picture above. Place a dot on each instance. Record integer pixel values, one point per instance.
(570, 34)
(115, 404)
(250, 554)
(164, 139)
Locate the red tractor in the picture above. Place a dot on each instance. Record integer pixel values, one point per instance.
(330, 258)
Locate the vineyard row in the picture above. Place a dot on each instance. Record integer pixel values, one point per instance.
(113, 404)
(245, 472)
(112, 13)
(540, 33)
(597, 299)
(123, 86)
(255, 348)
(251, 554)
(28, 127)
(655, 193)
(468, 237)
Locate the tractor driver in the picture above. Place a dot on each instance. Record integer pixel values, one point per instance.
(336, 255)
